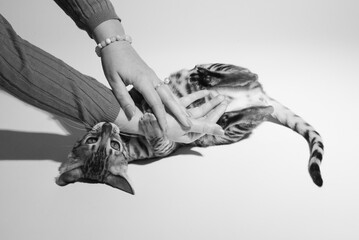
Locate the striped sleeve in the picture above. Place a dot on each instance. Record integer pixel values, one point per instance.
(88, 14)
(40, 79)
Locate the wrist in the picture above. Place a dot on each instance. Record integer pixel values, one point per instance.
(111, 40)
(108, 29)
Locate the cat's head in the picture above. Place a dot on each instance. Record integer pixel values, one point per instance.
(247, 107)
(99, 157)
(222, 75)
(241, 88)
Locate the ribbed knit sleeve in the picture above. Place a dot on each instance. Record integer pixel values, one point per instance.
(88, 14)
(40, 79)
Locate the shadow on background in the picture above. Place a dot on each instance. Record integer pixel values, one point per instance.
(18, 145)
(185, 150)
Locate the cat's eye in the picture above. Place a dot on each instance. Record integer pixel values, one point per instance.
(116, 145)
(91, 140)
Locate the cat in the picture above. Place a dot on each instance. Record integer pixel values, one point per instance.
(103, 154)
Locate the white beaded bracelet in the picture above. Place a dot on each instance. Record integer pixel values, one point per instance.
(110, 40)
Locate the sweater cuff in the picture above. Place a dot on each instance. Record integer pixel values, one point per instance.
(99, 18)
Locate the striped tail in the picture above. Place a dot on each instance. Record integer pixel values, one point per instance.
(284, 116)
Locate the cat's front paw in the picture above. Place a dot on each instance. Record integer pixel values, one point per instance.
(150, 126)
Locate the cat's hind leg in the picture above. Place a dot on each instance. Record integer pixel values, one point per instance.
(160, 144)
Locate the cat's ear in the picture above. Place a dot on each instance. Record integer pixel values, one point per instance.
(69, 176)
(117, 175)
(70, 171)
(120, 182)
(222, 74)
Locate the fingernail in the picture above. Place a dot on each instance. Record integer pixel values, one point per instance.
(129, 112)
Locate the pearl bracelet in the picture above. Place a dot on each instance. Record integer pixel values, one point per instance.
(110, 40)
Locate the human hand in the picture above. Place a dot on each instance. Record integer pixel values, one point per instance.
(123, 66)
(203, 118)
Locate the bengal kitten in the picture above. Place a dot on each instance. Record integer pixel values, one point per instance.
(103, 154)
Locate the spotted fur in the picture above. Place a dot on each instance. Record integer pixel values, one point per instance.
(249, 106)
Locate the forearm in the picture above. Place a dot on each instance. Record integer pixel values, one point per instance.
(108, 29)
(46, 82)
(88, 14)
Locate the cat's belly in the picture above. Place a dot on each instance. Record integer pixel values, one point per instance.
(243, 98)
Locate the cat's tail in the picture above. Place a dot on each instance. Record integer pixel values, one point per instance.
(284, 116)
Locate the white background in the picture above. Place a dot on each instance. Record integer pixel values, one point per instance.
(306, 54)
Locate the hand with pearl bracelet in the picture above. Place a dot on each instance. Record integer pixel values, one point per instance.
(123, 66)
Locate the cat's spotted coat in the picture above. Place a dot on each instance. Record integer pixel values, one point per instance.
(103, 154)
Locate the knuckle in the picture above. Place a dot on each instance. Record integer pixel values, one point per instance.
(146, 77)
(120, 91)
(127, 81)
(110, 78)
(156, 104)
(158, 110)
(141, 78)
(137, 81)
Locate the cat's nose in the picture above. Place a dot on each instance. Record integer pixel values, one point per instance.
(105, 134)
(106, 129)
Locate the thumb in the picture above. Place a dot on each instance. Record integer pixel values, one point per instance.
(207, 124)
(205, 127)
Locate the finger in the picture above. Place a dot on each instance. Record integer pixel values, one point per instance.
(205, 127)
(189, 137)
(190, 98)
(120, 91)
(173, 105)
(205, 108)
(207, 124)
(154, 101)
(217, 112)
